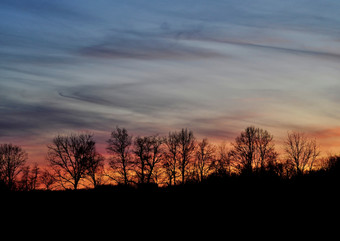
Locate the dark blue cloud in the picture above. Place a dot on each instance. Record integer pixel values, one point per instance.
(21, 119)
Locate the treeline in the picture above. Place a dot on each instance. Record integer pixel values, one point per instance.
(176, 159)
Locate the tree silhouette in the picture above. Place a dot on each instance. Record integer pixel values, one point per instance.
(148, 156)
(12, 159)
(96, 168)
(301, 152)
(156, 157)
(244, 149)
(222, 164)
(143, 154)
(47, 179)
(205, 155)
(253, 150)
(29, 178)
(266, 151)
(186, 148)
(70, 157)
(119, 147)
(177, 158)
(171, 157)
(332, 167)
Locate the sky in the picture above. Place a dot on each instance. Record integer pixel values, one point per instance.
(154, 66)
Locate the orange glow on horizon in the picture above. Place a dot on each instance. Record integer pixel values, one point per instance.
(327, 139)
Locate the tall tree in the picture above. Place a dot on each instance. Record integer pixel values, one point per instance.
(171, 157)
(301, 152)
(12, 159)
(244, 149)
(148, 156)
(29, 178)
(96, 168)
(186, 148)
(205, 155)
(47, 179)
(253, 150)
(266, 150)
(143, 154)
(156, 157)
(221, 165)
(70, 157)
(119, 147)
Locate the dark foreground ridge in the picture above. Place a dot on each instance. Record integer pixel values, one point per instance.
(315, 184)
(237, 182)
(231, 200)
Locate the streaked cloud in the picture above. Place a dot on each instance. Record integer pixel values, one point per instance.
(155, 66)
(147, 45)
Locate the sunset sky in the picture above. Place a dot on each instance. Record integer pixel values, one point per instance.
(156, 66)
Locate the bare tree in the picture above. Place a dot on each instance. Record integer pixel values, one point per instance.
(171, 157)
(96, 169)
(29, 177)
(156, 157)
(148, 156)
(301, 152)
(253, 150)
(143, 154)
(205, 155)
(222, 164)
(12, 159)
(331, 164)
(70, 157)
(244, 149)
(186, 148)
(315, 154)
(119, 147)
(24, 183)
(47, 179)
(266, 151)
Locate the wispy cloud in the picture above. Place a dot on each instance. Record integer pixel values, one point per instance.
(152, 66)
(47, 9)
(20, 119)
(159, 44)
